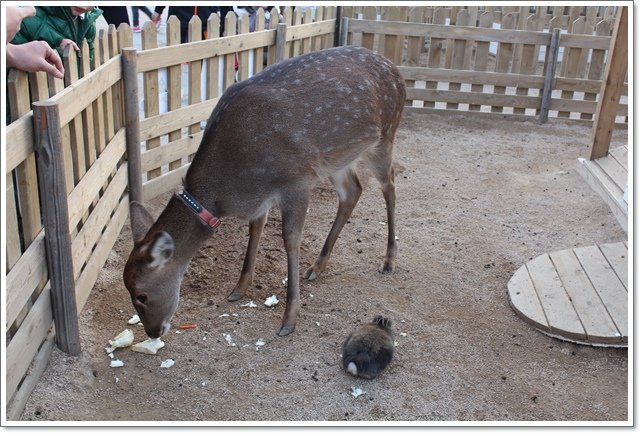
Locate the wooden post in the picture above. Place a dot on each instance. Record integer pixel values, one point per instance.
(611, 89)
(344, 31)
(51, 175)
(281, 42)
(549, 75)
(132, 122)
(336, 32)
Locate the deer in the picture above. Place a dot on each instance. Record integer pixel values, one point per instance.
(268, 141)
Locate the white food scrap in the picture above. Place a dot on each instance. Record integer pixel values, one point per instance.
(150, 346)
(167, 363)
(116, 363)
(229, 339)
(260, 343)
(123, 339)
(271, 301)
(250, 304)
(135, 319)
(357, 392)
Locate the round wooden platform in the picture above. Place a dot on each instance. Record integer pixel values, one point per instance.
(578, 294)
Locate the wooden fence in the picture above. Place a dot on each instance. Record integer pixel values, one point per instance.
(124, 128)
(77, 144)
(499, 70)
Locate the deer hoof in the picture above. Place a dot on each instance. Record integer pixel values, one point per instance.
(310, 274)
(286, 330)
(234, 296)
(386, 268)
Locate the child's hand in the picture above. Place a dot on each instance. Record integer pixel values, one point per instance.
(66, 42)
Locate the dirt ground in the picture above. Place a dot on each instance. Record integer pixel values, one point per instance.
(477, 198)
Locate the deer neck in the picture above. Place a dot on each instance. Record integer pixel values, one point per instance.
(188, 232)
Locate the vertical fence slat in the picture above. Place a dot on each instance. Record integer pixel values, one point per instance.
(571, 63)
(273, 24)
(195, 71)
(51, 172)
(596, 65)
(551, 61)
(457, 55)
(369, 13)
(482, 56)
(504, 56)
(174, 81)
(12, 230)
(230, 59)
(75, 126)
(149, 39)
(243, 56)
(435, 51)
(132, 123)
(528, 61)
(259, 53)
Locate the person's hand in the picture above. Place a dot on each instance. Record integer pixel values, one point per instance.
(35, 56)
(66, 42)
(15, 15)
(156, 17)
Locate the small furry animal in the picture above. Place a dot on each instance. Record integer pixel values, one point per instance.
(369, 349)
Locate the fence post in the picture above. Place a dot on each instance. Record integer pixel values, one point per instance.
(344, 31)
(549, 76)
(51, 175)
(336, 32)
(281, 41)
(132, 123)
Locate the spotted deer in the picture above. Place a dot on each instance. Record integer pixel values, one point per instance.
(267, 142)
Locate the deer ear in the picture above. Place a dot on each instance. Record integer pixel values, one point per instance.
(141, 221)
(161, 249)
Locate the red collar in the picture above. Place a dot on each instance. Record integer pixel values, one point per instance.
(193, 204)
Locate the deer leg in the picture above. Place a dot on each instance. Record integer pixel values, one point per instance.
(383, 171)
(349, 190)
(293, 216)
(246, 276)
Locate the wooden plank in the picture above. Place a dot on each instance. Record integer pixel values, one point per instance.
(258, 53)
(195, 71)
(621, 155)
(369, 13)
(109, 120)
(87, 114)
(303, 31)
(305, 46)
(594, 317)
(172, 151)
(149, 40)
(12, 234)
(571, 63)
(116, 91)
(550, 64)
(618, 257)
(25, 343)
(528, 58)
(596, 66)
(26, 177)
(20, 135)
(585, 41)
(504, 56)
(481, 58)
(167, 122)
(18, 401)
(99, 256)
(473, 98)
(616, 70)
(243, 56)
(435, 52)
(213, 72)
(602, 184)
(557, 306)
(457, 55)
(174, 80)
(87, 189)
(98, 111)
(24, 278)
(164, 183)
(132, 122)
(607, 284)
(51, 171)
(460, 32)
(614, 170)
(582, 106)
(524, 299)
(88, 236)
(230, 58)
(76, 141)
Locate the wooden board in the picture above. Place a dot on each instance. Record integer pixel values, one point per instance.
(577, 294)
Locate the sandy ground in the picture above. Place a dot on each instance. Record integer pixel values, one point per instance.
(477, 198)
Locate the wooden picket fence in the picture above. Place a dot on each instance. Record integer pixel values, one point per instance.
(473, 66)
(88, 129)
(123, 128)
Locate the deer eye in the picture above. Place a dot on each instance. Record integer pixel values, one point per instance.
(142, 298)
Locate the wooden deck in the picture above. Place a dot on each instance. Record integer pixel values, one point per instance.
(608, 177)
(578, 294)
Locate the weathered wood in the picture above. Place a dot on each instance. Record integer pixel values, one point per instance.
(150, 88)
(473, 98)
(243, 56)
(230, 25)
(195, 71)
(524, 299)
(618, 257)
(167, 122)
(504, 56)
(258, 53)
(174, 85)
(457, 55)
(98, 174)
(295, 42)
(481, 58)
(12, 233)
(25, 343)
(103, 42)
(132, 122)
(612, 83)
(87, 114)
(24, 278)
(344, 31)
(596, 66)
(435, 51)
(551, 60)
(70, 62)
(369, 13)
(172, 151)
(570, 63)
(51, 171)
(281, 39)
(164, 183)
(271, 45)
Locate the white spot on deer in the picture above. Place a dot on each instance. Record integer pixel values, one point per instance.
(318, 109)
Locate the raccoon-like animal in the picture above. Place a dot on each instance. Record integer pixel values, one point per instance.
(369, 349)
